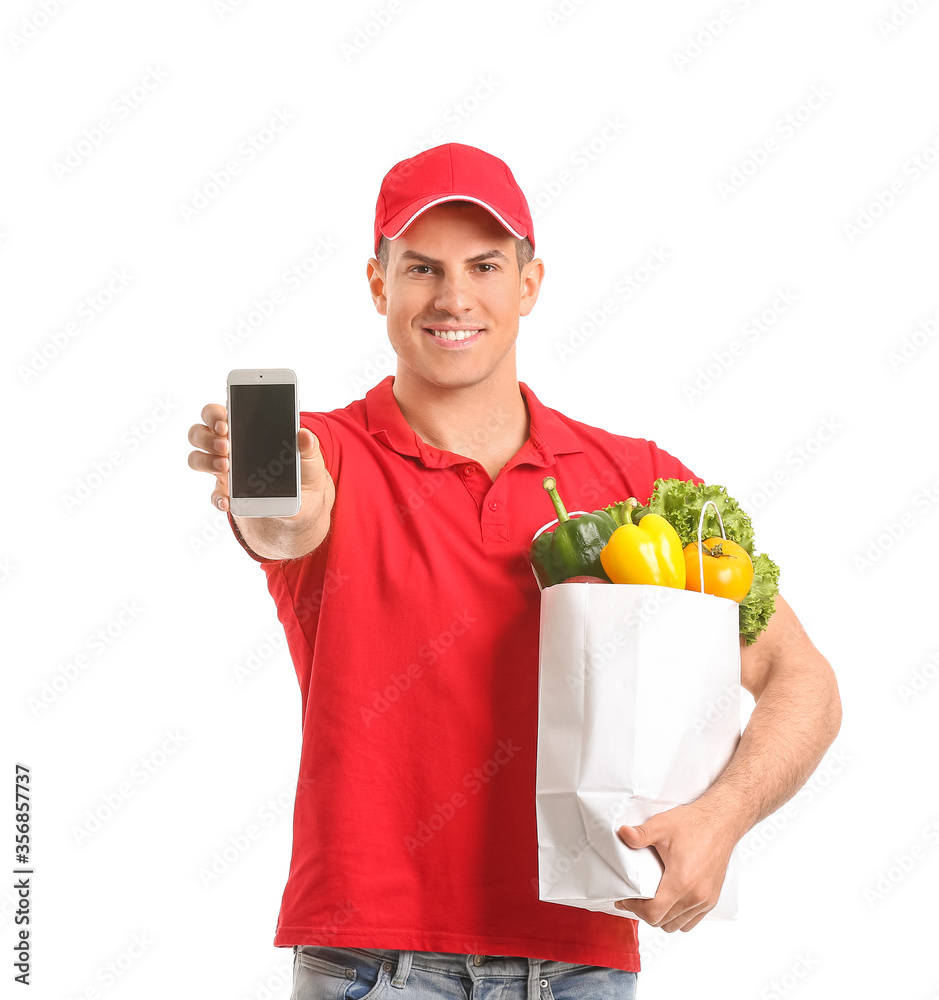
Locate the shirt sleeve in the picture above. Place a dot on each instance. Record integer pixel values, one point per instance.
(330, 451)
(667, 466)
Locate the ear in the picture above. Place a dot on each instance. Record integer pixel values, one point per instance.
(530, 284)
(376, 284)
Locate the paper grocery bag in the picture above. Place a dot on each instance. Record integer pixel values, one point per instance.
(639, 710)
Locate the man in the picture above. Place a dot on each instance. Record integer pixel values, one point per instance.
(411, 614)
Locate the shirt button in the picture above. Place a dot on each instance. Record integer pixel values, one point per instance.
(469, 470)
(493, 504)
(478, 960)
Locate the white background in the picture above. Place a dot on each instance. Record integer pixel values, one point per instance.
(811, 424)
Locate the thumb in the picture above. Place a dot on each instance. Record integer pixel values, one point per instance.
(635, 836)
(312, 465)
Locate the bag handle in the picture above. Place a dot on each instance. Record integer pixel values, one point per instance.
(720, 521)
(544, 527)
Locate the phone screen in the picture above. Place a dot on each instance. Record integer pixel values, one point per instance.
(263, 440)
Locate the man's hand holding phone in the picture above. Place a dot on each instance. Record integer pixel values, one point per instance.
(271, 537)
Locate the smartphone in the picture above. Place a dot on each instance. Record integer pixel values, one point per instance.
(264, 461)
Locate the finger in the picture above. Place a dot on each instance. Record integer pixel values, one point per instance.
(213, 414)
(217, 465)
(685, 920)
(208, 440)
(695, 921)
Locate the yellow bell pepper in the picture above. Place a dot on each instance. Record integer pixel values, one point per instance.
(647, 552)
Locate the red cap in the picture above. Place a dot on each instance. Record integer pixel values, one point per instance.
(452, 172)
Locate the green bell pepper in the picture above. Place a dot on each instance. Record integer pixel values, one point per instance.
(573, 547)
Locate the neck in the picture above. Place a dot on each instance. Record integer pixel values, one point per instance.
(487, 422)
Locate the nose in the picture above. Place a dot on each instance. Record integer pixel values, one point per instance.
(454, 294)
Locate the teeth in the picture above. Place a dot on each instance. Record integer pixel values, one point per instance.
(454, 334)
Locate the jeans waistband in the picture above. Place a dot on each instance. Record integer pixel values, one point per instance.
(468, 966)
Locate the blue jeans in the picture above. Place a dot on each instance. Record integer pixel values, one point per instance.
(360, 974)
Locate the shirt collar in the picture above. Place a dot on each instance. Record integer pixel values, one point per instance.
(548, 434)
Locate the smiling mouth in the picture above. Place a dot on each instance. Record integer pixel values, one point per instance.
(453, 334)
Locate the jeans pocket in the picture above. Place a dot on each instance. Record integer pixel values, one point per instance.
(338, 974)
(591, 982)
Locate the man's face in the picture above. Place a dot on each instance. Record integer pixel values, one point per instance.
(452, 273)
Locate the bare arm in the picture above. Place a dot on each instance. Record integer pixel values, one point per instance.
(796, 718)
(269, 537)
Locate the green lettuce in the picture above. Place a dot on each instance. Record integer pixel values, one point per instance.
(680, 503)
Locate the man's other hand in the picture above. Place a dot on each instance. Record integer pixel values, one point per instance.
(695, 850)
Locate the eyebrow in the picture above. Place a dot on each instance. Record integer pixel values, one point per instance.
(478, 259)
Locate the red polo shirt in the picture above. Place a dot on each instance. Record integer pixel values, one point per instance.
(414, 633)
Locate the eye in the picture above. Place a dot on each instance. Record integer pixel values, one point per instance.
(491, 267)
(417, 267)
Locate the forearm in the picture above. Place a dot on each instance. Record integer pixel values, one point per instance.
(796, 718)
